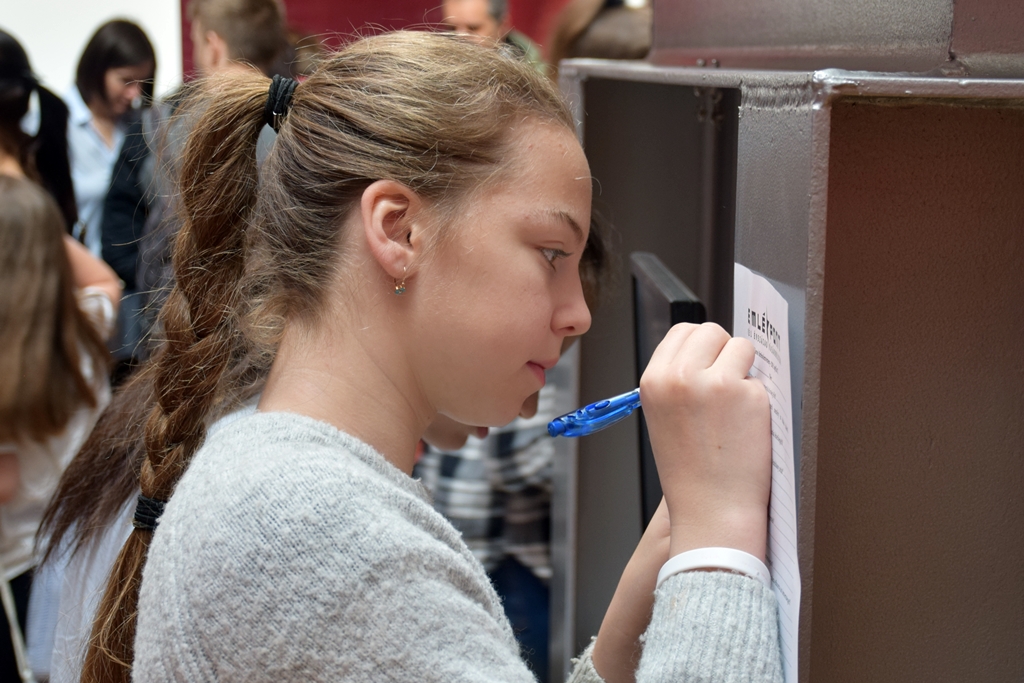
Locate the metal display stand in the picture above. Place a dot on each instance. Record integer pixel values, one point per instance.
(888, 209)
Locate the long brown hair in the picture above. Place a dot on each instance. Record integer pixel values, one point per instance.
(44, 336)
(257, 249)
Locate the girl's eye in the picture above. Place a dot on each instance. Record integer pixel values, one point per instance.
(553, 255)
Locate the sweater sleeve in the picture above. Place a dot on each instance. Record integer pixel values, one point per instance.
(583, 670)
(706, 627)
(712, 626)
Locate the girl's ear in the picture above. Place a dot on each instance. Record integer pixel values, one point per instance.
(392, 216)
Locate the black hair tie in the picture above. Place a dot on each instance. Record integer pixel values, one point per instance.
(279, 101)
(147, 513)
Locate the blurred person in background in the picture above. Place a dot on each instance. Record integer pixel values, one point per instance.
(138, 214)
(33, 127)
(114, 75)
(602, 29)
(57, 302)
(236, 34)
(489, 20)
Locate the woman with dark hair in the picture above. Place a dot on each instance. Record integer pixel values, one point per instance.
(33, 127)
(115, 74)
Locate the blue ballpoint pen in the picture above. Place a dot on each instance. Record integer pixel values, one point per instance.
(596, 416)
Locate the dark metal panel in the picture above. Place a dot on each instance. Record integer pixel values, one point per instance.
(773, 177)
(966, 37)
(988, 36)
(647, 184)
(919, 544)
(804, 34)
(664, 164)
(776, 200)
(782, 195)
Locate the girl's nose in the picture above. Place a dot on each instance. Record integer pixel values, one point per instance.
(573, 318)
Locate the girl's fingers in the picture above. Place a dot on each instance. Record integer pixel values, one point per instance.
(701, 349)
(670, 346)
(736, 357)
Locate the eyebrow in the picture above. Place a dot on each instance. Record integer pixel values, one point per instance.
(567, 219)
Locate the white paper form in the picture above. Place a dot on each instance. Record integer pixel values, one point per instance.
(761, 315)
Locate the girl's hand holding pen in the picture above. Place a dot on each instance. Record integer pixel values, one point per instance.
(711, 433)
(710, 430)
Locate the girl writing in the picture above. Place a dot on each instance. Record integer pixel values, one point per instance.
(410, 248)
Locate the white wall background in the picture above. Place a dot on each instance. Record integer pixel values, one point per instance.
(54, 33)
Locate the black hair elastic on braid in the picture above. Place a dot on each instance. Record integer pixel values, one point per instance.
(147, 513)
(279, 101)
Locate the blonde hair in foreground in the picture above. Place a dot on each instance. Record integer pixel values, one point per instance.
(431, 111)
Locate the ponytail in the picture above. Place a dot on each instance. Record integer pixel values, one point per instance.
(430, 111)
(218, 194)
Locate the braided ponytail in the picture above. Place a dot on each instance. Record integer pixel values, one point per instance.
(218, 193)
(430, 111)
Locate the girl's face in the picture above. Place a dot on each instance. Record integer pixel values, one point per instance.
(496, 300)
(123, 85)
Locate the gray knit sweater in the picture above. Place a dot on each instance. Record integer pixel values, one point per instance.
(293, 552)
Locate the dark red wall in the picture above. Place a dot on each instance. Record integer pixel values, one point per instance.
(340, 19)
(535, 17)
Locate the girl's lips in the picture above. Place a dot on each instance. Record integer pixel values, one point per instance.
(538, 370)
(481, 432)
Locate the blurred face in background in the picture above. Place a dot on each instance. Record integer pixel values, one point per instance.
(471, 17)
(202, 50)
(123, 86)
